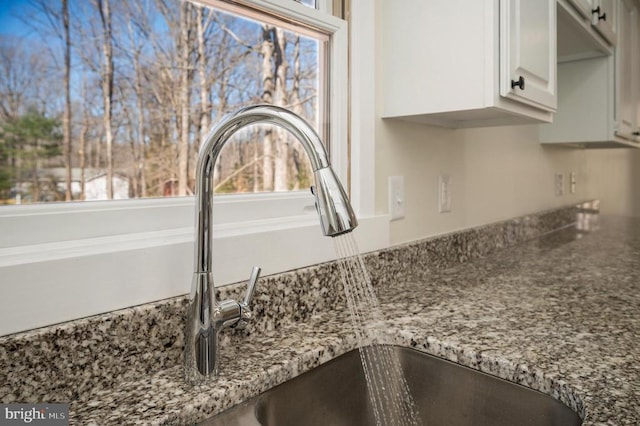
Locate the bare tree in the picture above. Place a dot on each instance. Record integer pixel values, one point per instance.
(281, 99)
(268, 90)
(17, 67)
(296, 106)
(104, 9)
(138, 29)
(56, 22)
(184, 101)
(202, 24)
(66, 117)
(84, 131)
(228, 56)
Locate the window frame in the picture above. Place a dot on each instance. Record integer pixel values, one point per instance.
(60, 262)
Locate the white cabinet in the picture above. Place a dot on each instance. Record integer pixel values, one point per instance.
(528, 52)
(636, 73)
(583, 6)
(577, 36)
(604, 18)
(598, 97)
(627, 72)
(469, 63)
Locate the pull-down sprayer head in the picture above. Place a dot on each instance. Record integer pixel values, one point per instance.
(336, 215)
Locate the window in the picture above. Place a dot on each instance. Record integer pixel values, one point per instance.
(76, 259)
(110, 99)
(314, 32)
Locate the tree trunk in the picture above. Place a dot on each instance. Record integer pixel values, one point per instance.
(82, 155)
(141, 152)
(83, 138)
(256, 183)
(66, 118)
(37, 166)
(222, 106)
(131, 130)
(202, 24)
(107, 87)
(296, 106)
(183, 143)
(268, 89)
(281, 99)
(205, 87)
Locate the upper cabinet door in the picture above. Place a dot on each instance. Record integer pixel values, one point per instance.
(528, 52)
(627, 72)
(604, 19)
(583, 6)
(636, 73)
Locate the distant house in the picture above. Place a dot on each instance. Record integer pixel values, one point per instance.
(95, 183)
(95, 188)
(53, 185)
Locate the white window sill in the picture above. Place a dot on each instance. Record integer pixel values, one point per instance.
(72, 279)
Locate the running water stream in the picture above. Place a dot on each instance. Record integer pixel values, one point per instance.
(389, 393)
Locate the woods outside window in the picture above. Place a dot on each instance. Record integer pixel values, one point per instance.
(109, 99)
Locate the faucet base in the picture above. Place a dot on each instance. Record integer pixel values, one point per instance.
(201, 336)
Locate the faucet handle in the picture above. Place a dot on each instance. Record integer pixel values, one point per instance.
(251, 284)
(245, 315)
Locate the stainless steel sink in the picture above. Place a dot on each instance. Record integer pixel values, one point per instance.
(335, 394)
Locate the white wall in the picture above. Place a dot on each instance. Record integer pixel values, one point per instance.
(614, 177)
(498, 173)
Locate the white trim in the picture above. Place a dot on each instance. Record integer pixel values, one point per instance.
(363, 103)
(56, 282)
(325, 6)
(48, 223)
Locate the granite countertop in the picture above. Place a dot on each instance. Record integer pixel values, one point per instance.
(559, 313)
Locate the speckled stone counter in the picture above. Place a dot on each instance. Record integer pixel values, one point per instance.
(556, 311)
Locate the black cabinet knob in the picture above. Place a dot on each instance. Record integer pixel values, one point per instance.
(602, 17)
(519, 83)
(636, 133)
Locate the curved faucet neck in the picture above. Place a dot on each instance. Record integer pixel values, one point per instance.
(210, 150)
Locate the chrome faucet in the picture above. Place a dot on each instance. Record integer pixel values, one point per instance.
(206, 316)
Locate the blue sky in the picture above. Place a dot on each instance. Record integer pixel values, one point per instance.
(11, 15)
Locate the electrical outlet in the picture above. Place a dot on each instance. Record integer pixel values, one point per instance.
(444, 193)
(559, 184)
(572, 182)
(396, 197)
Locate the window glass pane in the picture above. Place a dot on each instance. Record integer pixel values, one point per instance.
(146, 80)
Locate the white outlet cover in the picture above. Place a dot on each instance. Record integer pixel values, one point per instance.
(445, 183)
(396, 197)
(559, 184)
(572, 182)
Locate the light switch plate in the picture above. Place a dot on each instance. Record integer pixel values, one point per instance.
(396, 197)
(572, 182)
